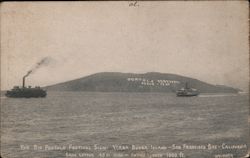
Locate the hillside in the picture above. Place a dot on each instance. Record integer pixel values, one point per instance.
(130, 82)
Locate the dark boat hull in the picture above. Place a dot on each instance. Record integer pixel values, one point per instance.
(187, 93)
(26, 93)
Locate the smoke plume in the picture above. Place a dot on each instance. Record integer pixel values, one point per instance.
(45, 61)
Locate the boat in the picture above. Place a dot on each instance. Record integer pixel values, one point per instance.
(26, 92)
(187, 91)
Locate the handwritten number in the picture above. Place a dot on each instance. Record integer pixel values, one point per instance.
(134, 4)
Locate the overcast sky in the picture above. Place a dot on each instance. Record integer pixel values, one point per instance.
(204, 40)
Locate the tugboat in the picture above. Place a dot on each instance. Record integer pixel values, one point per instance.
(26, 92)
(187, 92)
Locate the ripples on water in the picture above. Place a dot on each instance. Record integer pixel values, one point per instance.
(86, 118)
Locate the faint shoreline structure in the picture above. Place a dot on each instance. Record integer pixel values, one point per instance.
(187, 91)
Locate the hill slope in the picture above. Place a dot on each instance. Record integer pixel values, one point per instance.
(130, 82)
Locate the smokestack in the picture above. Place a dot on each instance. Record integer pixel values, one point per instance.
(28, 73)
(38, 65)
(24, 81)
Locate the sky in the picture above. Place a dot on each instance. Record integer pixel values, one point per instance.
(203, 40)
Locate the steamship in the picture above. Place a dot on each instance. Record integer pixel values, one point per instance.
(187, 91)
(26, 92)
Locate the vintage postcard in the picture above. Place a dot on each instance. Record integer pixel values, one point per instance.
(125, 79)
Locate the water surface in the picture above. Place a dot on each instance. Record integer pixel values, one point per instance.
(88, 118)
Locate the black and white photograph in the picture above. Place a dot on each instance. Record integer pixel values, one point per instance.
(124, 79)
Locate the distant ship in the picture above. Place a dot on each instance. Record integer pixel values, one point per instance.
(187, 92)
(26, 92)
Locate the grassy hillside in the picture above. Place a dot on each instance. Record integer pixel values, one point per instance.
(130, 82)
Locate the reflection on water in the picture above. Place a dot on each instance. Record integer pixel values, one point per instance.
(86, 118)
